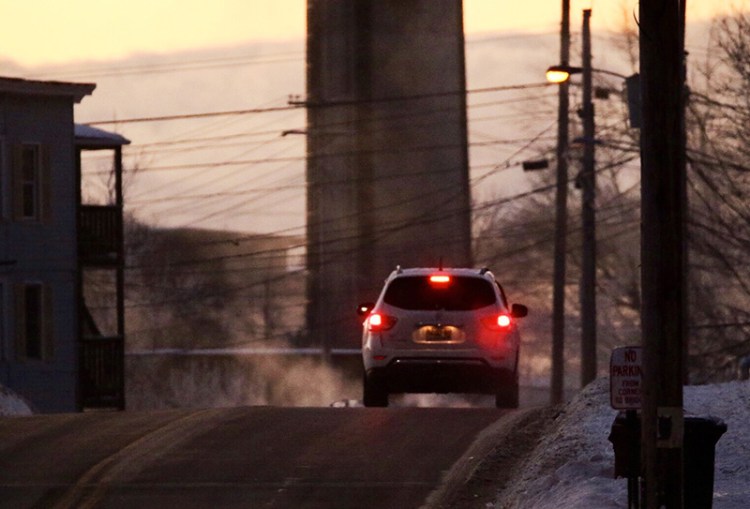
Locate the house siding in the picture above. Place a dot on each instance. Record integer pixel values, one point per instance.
(41, 251)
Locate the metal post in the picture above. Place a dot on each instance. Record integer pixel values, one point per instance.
(588, 216)
(561, 220)
(120, 277)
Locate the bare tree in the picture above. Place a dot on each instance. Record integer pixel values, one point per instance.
(719, 187)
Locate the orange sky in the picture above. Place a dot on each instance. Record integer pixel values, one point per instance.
(40, 32)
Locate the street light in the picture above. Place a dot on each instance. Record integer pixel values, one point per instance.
(557, 379)
(587, 180)
(560, 74)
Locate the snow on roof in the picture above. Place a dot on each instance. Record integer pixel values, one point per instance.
(87, 136)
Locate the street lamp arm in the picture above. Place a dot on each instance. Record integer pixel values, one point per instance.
(610, 73)
(562, 73)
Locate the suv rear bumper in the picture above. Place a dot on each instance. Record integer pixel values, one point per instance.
(441, 375)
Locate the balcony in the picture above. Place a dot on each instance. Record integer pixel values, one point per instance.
(99, 234)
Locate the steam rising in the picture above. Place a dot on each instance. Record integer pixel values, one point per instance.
(155, 382)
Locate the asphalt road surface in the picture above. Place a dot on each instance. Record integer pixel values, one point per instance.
(248, 457)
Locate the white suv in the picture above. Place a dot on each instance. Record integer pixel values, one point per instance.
(441, 330)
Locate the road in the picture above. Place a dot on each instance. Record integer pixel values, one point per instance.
(265, 457)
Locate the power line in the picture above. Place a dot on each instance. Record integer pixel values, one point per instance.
(432, 217)
(165, 118)
(345, 252)
(297, 104)
(179, 66)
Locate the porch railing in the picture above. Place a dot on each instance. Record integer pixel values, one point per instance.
(102, 372)
(100, 233)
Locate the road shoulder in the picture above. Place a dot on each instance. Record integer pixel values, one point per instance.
(493, 460)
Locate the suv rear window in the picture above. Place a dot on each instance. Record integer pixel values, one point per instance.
(461, 294)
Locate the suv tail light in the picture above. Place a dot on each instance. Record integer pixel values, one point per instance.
(378, 322)
(497, 322)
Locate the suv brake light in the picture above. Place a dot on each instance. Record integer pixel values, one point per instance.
(497, 322)
(378, 322)
(440, 279)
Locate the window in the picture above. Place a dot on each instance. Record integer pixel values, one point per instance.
(33, 323)
(2, 179)
(462, 294)
(30, 180)
(3, 340)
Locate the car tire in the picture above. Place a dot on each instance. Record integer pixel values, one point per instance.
(373, 393)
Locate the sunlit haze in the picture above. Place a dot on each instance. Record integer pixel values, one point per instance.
(237, 55)
(51, 31)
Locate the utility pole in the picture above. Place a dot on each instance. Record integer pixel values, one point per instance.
(663, 253)
(561, 220)
(588, 216)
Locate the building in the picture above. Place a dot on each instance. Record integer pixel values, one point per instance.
(387, 171)
(41, 216)
(101, 268)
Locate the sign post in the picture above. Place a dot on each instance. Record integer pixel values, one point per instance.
(625, 386)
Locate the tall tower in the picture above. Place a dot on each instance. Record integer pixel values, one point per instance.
(387, 169)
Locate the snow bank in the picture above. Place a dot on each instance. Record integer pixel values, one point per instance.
(731, 403)
(12, 404)
(574, 465)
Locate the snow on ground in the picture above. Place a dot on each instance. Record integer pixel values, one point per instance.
(574, 465)
(12, 404)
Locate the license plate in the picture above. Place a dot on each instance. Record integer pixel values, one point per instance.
(438, 334)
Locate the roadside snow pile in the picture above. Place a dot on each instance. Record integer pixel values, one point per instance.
(574, 465)
(731, 403)
(12, 404)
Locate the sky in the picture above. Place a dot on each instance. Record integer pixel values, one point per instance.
(235, 55)
(39, 32)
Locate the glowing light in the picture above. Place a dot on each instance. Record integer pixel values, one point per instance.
(379, 323)
(554, 76)
(376, 320)
(503, 320)
(440, 279)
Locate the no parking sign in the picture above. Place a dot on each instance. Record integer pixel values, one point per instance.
(625, 367)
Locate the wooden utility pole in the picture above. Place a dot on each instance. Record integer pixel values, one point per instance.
(663, 255)
(561, 220)
(588, 217)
